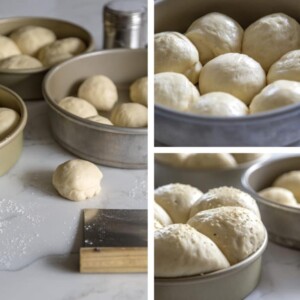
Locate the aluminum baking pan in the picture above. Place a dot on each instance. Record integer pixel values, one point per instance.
(103, 144)
(28, 83)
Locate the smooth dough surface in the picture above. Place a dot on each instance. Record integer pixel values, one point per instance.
(176, 53)
(270, 37)
(77, 180)
(8, 47)
(275, 95)
(174, 90)
(246, 157)
(139, 91)
(161, 215)
(19, 62)
(100, 119)
(30, 39)
(78, 107)
(130, 115)
(180, 250)
(215, 34)
(279, 195)
(237, 231)
(171, 159)
(100, 91)
(9, 120)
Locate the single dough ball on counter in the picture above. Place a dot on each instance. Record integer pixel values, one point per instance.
(180, 250)
(100, 91)
(78, 107)
(161, 215)
(77, 180)
(139, 91)
(176, 199)
(171, 159)
(19, 62)
(215, 34)
(218, 104)
(130, 115)
(233, 73)
(237, 231)
(246, 157)
(270, 37)
(206, 161)
(100, 119)
(291, 182)
(224, 196)
(176, 53)
(30, 39)
(9, 120)
(174, 90)
(279, 195)
(275, 95)
(8, 47)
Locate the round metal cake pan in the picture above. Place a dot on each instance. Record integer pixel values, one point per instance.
(103, 144)
(11, 146)
(278, 128)
(281, 221)
(234, 283)
(28, 83)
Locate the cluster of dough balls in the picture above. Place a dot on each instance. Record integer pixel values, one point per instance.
(9, 120)
(99, 93)
(31, 47)
(238, 72)
(198, 233)
(285, 190)
(206, 161)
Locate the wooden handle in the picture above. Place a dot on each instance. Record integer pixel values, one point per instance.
(113, 260)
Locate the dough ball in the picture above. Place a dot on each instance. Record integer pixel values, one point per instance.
(176, 53)
(176, 199)
(279, 195)
(77, 180)
(218, 104)
(275, 95)
(60, 50)
(287, 68)
(180, 250)
(224, 196)
(171, 159)
(100, 91)
(174, 91)
(210, 161)
(246, 157)
(139, 91)
(78, 107)
(233, 73)
(237, 231)
(215, 34)
(161, 215)
(19, 62)
(291, 182)
(8, 47)
(9, 120)
(30, 39)
(100, 119)
(130, 115)
(270, 37)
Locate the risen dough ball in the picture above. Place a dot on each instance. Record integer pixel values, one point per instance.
(161, 215)
(130, 115)
(60, 50)
(19, 62)
(30, 39)
(78, 107)
(270, 37)
(174, 90)
(100, 91)
(176, 53)
(275, 95)
(171, 159)
(8, 47)
(215, 34)
(233, 73)
(9, 120)
(218, 104)
(176, 199)
(279, 195)
(291, 182)
(224, 196)
(139, 91)
(100, 119)
(180, 250)
(77, 180)
(210, 161)
(246, 157)
(237, 231)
